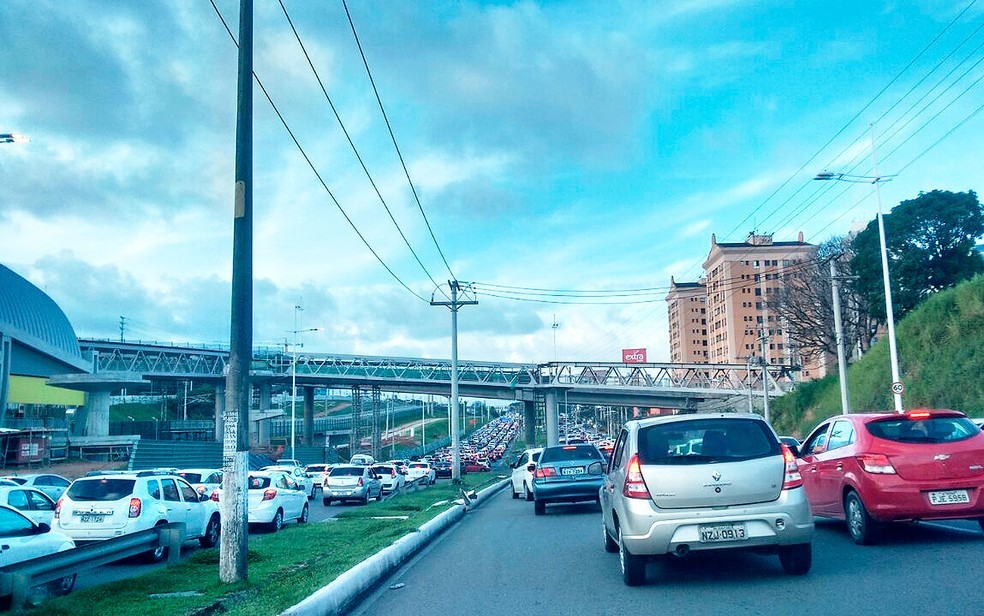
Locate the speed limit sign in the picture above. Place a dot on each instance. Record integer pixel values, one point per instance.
(898, 388)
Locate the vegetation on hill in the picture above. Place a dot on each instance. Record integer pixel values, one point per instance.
(941, 358)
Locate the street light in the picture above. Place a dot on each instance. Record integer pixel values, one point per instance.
(293, 378)
(877, 179)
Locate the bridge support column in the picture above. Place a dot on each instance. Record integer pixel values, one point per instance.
(263, 425)
(529, 422)
(553, 419)
(97, 412)
(308, 416)
(219, 408)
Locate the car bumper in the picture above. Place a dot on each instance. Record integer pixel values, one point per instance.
(900, 500)
(566, 491)
(649, 530)
(346, 493)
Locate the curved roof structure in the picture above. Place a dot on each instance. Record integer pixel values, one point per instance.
(32, 318)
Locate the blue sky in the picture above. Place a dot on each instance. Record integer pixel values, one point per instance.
(588, 146)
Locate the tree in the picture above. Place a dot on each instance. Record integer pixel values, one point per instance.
(931, 246)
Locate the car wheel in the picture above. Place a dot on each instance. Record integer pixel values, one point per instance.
(314, 491)
(981, 522)
(156, 555)
(63, 586)
(611, 546)
(211, 536)
(365, 499)
(861, 526)
(796, 559)
(539, 507)
(512, 489)
(327, 501)
(529, 493)
(379, 497)
(277, 522)
(305, 515)
(633, 567)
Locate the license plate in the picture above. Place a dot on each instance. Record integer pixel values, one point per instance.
(722, 532)
(88, 518)
(573, 470)
(949, 497)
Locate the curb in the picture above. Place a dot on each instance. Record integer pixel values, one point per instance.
(347, 588)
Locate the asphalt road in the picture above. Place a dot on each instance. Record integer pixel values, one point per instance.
(501, 559)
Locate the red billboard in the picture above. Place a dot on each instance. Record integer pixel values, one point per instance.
(633, 356)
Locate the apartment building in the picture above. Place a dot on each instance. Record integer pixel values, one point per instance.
(740, 278)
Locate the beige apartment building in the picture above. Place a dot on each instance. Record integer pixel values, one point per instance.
(734, 321)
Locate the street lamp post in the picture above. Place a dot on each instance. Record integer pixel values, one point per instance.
(293, 378)
(877, 179)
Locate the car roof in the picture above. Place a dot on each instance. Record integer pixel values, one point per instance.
(660, 419)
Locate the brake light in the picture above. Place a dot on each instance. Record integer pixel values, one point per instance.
(793, 479)
(135, 507)
(58, 509)
(392, 472)
(919, 415)
(635, 484)
(545, 471)
(360, 483)
(269, 494)
(215, 496)
(876, 463)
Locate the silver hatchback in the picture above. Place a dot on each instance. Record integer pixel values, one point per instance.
(683, 483)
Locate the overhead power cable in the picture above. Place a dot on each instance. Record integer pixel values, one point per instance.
(314, 169)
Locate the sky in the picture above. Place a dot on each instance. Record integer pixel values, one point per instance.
(565, 159)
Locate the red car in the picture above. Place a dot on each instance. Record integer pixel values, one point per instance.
(872, 468)
(477, 466)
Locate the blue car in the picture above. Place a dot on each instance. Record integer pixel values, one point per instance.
(567, 474)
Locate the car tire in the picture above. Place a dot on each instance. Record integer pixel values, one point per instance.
(796, 559)
(981, 522)
(611, 546)
(515, 494)
(277, 522)
(860, 525)
(365, 499)
(379, 497)
(539, 507)
(633, 567)
(529, 493)
(314, 492)
(327, 501)
(158, 554)
(62, 586)
(211, 536)
(305, 515)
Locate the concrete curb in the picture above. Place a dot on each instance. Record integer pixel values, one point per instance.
(347, 588)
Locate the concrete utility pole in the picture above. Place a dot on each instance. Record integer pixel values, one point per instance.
(835, 281)
(234, 543)
(454, 304)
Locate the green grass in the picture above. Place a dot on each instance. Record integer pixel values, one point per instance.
(283, 568)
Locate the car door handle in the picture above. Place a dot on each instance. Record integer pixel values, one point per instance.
(840, 466)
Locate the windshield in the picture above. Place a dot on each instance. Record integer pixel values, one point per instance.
(568, 453)
(706, 440)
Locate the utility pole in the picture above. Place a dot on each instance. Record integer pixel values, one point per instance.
(453, 305)
(835, 281)
(234, 542)
(122, 326)
(766, 336)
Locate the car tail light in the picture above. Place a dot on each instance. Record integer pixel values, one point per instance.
(135, 507)
(635, 485)
(215, 496)
(393, 473)
(360, 483)
(58, 509)
(876, 463)
(269, 494)
(545, 471)
(793, 479)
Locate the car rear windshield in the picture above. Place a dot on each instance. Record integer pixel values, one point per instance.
(905, 429)
(569, 453)
(342, 471)
(419, 465)
(192, 477)
(100, 489)
(706, 440)
(259, 483)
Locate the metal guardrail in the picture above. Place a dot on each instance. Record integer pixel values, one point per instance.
(18, 579)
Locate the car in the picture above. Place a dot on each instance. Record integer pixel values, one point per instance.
(106, 504)
(870, 469)
(390, 477)
(790, 441)
(24, 539)
(299, 476)
(49, 483)
(34, 504)
(363, 459)
(738, 488)
(421, 470)
(566, 474)
(204, 480)
(317, 473)
(273, 497)
(347, 482)
(442, 468)
(980, 422)
(288, 462)
(521, 480)
(477, 466)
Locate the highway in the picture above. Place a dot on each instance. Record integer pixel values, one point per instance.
(501, 559)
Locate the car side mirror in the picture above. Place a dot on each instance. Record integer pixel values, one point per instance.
(531, 466)
(43, 527)
(596, 468)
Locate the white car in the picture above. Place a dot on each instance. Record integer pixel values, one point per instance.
(23, 540)
(107, 504)
(362, 459)
(521, 481)
(390, 477)
(49, 483)
(274, 497)
(298, 475)
(419, 469)
(317, 473)
(34, 504)
(204, 480)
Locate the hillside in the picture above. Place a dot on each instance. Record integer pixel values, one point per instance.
(940, 357)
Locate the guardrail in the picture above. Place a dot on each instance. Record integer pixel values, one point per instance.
(18, 579)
